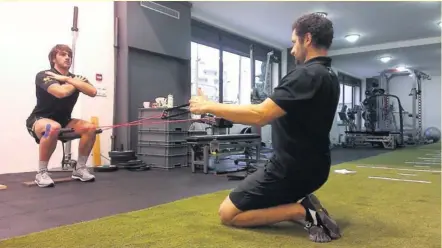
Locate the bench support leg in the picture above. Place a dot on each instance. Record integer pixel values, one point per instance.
(67, 164)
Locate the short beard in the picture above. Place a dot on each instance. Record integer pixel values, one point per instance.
(299, 60)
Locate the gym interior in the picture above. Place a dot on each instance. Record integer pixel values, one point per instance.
(160, 182)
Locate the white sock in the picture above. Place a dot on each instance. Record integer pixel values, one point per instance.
(42, 166)
(81, 162)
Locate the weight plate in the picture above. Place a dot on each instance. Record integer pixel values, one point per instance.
(105, 168)
(128, 153)
(119, 159)
(141, 167)
(130, 163)
(135, 161)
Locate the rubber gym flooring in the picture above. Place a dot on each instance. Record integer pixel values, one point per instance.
(372, 209)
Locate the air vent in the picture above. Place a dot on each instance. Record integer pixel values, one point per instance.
(160, 9)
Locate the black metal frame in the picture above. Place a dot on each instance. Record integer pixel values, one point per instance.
(66, 135)
(165, 114)
(401, 110)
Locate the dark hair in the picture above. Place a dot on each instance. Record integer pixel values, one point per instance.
(318, 26)
(56, 49)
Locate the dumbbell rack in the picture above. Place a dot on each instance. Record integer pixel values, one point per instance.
(162, 142)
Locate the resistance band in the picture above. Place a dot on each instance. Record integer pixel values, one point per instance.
(163, 116)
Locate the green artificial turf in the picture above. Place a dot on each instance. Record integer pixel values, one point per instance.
(408, 154)
(372, 213)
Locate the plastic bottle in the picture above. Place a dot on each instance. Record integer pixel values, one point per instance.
(170, 101)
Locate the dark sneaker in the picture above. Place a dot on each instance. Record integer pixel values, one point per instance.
(316, 233)
(321, 217)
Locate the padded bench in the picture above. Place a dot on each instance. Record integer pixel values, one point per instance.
(65, 135)
(223, 140)
(375, 133)
(222, 137)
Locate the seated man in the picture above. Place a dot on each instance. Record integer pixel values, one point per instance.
(301, 111)
(57, 91)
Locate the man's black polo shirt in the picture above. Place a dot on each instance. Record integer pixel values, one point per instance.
(49, 106)
(309, 94)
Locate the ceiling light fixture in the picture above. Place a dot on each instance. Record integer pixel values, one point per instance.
(385, 59)
(323, 14)
(352, 37)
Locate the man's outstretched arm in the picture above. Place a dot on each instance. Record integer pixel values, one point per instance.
(250, 114)
(293, 89)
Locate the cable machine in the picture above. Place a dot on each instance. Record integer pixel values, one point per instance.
(414, 134)
(379, 114)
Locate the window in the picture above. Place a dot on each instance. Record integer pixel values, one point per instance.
(275, 75)
(348, 96)
(193, 67)
(267, 76)
(205, 70)
(350, 90)
(357, 95)
(262, 89)
(259, 72)
(341, 98)
(231, 77)
(236, 77)
(245, 88)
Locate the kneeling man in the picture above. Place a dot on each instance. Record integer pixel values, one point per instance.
(301, 111)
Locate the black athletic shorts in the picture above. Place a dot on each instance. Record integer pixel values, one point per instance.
(272, 186)
(32, 119)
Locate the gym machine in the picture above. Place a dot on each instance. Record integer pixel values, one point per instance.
(379, 114)
(388, 136)
(351, 118)
(207, 146)
(262, 89)
(206, 149)
(413, 134)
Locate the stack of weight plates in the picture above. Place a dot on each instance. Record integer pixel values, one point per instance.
(127, 160)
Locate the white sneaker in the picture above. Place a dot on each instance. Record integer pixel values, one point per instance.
(82, 174)
(42, 179)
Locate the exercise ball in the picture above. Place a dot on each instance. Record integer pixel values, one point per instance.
(432, 133)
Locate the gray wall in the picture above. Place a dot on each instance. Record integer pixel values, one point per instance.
(151, 76)
(153, 59)
(152, 31)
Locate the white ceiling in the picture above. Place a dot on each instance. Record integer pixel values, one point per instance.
(366, 64)
(412, 26)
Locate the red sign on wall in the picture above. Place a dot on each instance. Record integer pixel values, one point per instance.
(98, 77)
